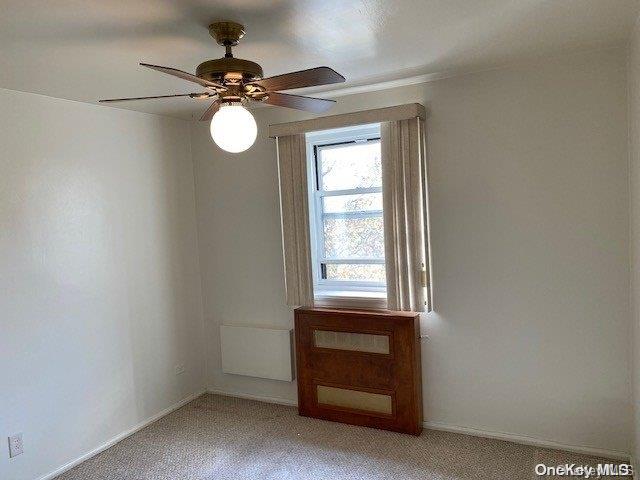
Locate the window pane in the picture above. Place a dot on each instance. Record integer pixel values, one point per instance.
(351, 166)
(356, 272)
(353, 203)
(353, 237)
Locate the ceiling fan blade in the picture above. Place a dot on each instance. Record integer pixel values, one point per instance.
(184, 75)
(308, 104)
(210, 112)
(304, 78)
(192, 95)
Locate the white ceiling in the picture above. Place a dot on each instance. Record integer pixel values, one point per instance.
(85, 50)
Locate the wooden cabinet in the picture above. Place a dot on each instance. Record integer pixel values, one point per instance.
(360, 367)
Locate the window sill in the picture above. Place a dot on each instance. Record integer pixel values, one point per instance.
(351, 299)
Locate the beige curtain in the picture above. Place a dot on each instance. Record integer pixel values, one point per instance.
(404, 192)
(294, 209)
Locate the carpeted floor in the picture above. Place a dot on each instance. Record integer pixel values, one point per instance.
(223, 438)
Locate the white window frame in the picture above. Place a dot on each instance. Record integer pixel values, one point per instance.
(336, 292)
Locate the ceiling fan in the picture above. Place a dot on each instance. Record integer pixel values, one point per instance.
(233, 82)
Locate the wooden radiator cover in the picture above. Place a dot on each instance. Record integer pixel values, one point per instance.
(360, 367)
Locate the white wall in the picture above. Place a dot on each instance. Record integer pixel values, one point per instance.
(99, 281)
(530, 248)
(634, 175)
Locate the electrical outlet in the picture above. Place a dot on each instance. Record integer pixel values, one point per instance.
(179, 369)
(16, 447)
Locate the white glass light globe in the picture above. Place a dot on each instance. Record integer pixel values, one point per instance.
(233, 128)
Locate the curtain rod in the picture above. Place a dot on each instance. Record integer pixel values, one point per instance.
(377, 115)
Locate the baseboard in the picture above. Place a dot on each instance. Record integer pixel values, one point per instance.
(257, 398)
(522, 439)
(526, 440)
(509, 437)
(120, 437)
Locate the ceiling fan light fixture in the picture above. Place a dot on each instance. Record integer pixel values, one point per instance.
(233, 128)
(232, 82)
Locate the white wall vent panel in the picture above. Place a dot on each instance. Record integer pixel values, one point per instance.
(257, 352)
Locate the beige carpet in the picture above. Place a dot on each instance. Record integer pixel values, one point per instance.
(220, 438)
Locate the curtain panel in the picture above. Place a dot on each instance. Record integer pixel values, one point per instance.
(294, 208)
(405, 208)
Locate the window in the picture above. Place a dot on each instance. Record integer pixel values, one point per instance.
(345, 189)
(335, 234)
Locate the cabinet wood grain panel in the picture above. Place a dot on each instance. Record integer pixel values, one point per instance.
(394, 373)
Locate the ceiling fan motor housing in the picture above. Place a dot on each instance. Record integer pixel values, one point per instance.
(229, 68)
(233, 70)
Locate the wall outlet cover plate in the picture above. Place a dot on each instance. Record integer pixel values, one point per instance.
(16, 447)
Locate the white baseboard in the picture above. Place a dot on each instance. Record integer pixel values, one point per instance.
(522, 439)
(120, 437)
(527, 440)
(257, 398)
(509, 437)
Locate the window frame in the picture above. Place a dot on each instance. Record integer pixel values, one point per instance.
(347, 293)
